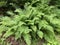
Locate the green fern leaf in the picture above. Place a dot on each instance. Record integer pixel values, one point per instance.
(40, 34)
(27, 39)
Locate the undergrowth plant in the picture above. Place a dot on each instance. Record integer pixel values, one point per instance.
(38, 20)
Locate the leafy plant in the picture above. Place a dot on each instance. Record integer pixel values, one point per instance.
(37, 20)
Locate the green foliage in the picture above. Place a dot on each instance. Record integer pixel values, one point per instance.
(37, 20)
(2, 3)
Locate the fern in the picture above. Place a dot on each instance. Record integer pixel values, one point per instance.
(36, 21)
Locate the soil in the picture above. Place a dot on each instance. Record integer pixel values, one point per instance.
(12, 41)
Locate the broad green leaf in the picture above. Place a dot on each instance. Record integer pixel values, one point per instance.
(34, 28)
(48, 43)
(55, 22)
(42, 23)
(21, 23)
(7, 21)
(10, 13)
(49, 28)
(34, 1)
(19, 11)
(22, 29)
(30, 22)
(16, 18)
(49, 37)
(17, 35)
(45, 1)
(58, 30)
(27, 11)
(40, 34)
(14, 27)
(26, 30)
(27, 39)
(2, 28)
(7, 34)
